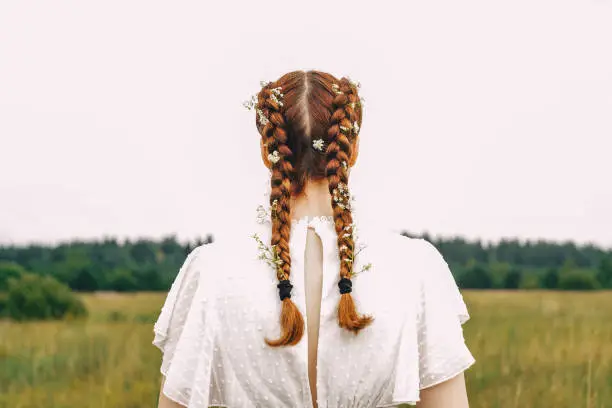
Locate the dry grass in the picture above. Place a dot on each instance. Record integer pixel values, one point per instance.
(533, 349)
(540, 349)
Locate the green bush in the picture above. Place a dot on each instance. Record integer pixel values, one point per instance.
(33, 297)
(576, 280)
(122, 280)
(513, 279)
(551, 279)
(9, 270)
(529, 281)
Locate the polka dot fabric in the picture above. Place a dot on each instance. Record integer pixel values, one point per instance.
(224, 301)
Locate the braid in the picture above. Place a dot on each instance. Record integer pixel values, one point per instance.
(339, 152)
(275, 136)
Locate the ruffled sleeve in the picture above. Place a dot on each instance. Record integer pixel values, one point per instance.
(443, 353)
(171, 320)
(183, 334)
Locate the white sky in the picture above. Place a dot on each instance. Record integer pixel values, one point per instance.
(485, 119)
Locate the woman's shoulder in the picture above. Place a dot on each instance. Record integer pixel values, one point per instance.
(411, 255)
(229, 260)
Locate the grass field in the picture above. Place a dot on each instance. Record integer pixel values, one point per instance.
(533, 349)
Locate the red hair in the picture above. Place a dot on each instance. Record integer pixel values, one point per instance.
(314, 105)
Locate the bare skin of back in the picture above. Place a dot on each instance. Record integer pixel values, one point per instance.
(313, 262)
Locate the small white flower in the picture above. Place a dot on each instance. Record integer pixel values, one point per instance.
(345, 165)
(276, 100)
(343, 248)
(274, 210)
(277, 95)
(269, 254)
(364, 268)
(262, 214)
(344, 128)
(318, 144)
(251, 103)
(264, 83)
(262, 118)
(336, 89)
(274, 157)
(356, 84)
(356, 127)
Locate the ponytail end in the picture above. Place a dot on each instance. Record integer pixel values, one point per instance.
(348, 318)
(292, 325)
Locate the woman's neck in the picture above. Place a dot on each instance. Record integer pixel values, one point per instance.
(315, 200)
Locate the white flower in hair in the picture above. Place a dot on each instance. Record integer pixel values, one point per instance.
(274, 157)
(268, 254)
(318, 144)
(251, 103)
(264, 83)
(262, 117)
(356, 127)
(356, 84)
(277, 95)
(262, 214)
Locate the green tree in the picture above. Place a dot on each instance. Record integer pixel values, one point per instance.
(84, 281)
(475, 277)
(577, 280)
(143, 252)
(604, 273)
(551, 279)
(513, 279)
(122, 280)
(529, 281)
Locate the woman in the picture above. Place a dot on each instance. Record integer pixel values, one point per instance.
(368, 318)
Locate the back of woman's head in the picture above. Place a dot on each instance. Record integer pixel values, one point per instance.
(309, 123)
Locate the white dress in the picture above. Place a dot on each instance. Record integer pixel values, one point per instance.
(224, 301)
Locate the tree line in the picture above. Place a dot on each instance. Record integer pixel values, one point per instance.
(151, 265)
(535, 264)
(139, 265)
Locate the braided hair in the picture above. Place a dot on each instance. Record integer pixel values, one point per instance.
(292, 112)
(341, 135)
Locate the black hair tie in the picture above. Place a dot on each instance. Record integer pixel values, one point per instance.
(345, 285)
(284, 287)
